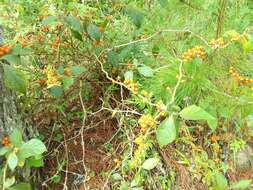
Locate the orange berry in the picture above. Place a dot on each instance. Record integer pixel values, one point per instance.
(45, 29)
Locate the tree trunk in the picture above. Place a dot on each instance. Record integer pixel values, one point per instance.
(9, 118)
(8, 111)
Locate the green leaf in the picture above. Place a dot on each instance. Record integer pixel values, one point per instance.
(116, 177)
(124, 186)
(163, 3)
(12, 161)
(21, 186)
(74, 23)
(56, 178)
(15, 79)
(9, 182)
(32, 148)
(67, 82)
(49, 20)
(19, 50)
(113, 58)
(13, 59)
(94, 32)
(129, 75)
(166, 132)
(35, 162)
(60, 70)
(242, 184)
(194, 112)
(136, 16)
(146, 71)
(4, 150)
(220, 181)
(77, 70)
(150, 163)
(56, 91)
(247, 46)
(16, 138)
(77, 35)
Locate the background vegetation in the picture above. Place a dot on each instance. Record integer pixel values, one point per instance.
(147, 94)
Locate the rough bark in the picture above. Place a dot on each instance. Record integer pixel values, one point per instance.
(9, 118)
(8, 111)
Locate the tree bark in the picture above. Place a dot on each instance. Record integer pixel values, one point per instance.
(8, 110)
(9, 117)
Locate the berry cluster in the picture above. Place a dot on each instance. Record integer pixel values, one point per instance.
(217, 43)
(53, 78)
(132, 85)
(4, 50)
(24, 40)
(6, 141)
(241, 80)
(146, 122)
(196, 52)
(45, 29)
(141, 150)
(161, 109)
(40, 38)
(234, 36)
(56, 43)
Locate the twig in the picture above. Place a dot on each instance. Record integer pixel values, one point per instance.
(82, 131)
(65, 187)
(152, 36)
(178, 83)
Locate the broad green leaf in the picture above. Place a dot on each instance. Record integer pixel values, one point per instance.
(74, 23)
(116, 177)
(16, 138)
(15, 79)
(220, 181)
(56, 178)
(145, 71)
(67, 82)
(21, 186)
(13, 59)
(35, 162)
(77, 70)
(150, 163)
(94, 32)
(32, 148)
(124, 186)
(19, 50)
(9, 182)
(77, 35)
(129, 75)
(4, 150)
(12, 161)
(136, 15)
(60, 70)
(49, 20)
(166, 132)
(242, 184)
(113, 58)
(56, 91)
(194, 112)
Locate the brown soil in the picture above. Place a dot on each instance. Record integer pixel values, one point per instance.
(96, 157)
(98, 153)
